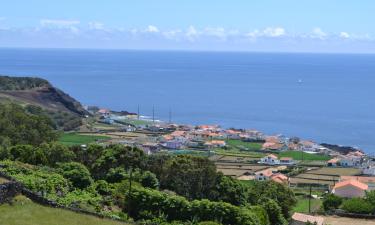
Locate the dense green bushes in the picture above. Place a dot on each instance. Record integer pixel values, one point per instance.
(97, 178)
(76, 173)
(358, 205)
(45, 154)
(364, 205)
(332, 202)
(20, 127)
(147, 204)
(20, 83)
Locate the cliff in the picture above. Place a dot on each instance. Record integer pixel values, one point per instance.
(38, 93)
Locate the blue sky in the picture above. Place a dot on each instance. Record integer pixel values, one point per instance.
(267, 25)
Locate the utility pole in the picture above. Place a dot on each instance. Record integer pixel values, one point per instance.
(153, 114)
(310, 200)
(138, 113)
(170, 116)
(130, 188)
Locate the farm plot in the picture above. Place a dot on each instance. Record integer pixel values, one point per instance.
(238, 169)
(336, 171)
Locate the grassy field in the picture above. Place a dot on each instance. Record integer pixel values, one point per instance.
(303, 205)
(136, 122)
(297, 155)
(79, 139)
(236, 152)
(250, 146)
(324, 175)
(25, 212)
(337, 171)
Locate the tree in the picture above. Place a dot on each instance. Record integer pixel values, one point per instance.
(189, 176)
(331, 202)
(56, 153)
(358, 205)
(19, 127)
(117, 156)
(116, 175)
(274, 212)
(230, 190)
(77, 173)
(283, 196)
(149, 180)
(370, 197)
(28, 154)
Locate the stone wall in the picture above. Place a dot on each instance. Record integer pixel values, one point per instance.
(9, 190)
(13, 188)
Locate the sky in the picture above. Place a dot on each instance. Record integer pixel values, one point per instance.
(213, 25)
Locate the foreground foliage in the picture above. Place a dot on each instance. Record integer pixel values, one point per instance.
(120, 181)
(19, 127)
(25, 212)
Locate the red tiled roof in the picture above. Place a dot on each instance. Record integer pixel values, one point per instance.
(272, 156)
(358, 178)
(334, 160)
(279, 178)
(354, 183)
(286, 158)
(266, 172)
(307, 218)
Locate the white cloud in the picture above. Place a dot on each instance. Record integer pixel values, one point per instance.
(172, 34)
(267, 32)
(58, 23)
(318, 33)
(274, 31)
(152, 29)
(344, 35)
(191, 33)
(96, 26)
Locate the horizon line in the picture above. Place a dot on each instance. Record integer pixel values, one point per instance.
(189, 50)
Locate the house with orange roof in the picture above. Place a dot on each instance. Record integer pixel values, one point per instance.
(350, 189)
(215, 143)
(232, 134)
(287, 161)
(302, 219)
(264, 174)
(178, 133)
(279, 178)
(333, 162)
(271, 174)
(270, 159)
(308, 146)
(370, 181)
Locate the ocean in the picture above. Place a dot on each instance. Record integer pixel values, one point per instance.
(323, 97)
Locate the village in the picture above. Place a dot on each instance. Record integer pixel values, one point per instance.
(310, 169)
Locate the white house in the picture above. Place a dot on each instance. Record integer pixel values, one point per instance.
(287, 161)
(173, 144)
(264, 174)
(369, 170)
(270, 159)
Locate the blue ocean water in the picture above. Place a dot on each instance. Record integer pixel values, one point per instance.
(324, 97)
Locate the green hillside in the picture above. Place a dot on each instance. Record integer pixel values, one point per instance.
(25, 212)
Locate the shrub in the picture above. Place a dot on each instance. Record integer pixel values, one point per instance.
(261, 213)
(157, 203)
(274, 212)
(331, 202)
(77, 173)
(358, 205)
(208, 223)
